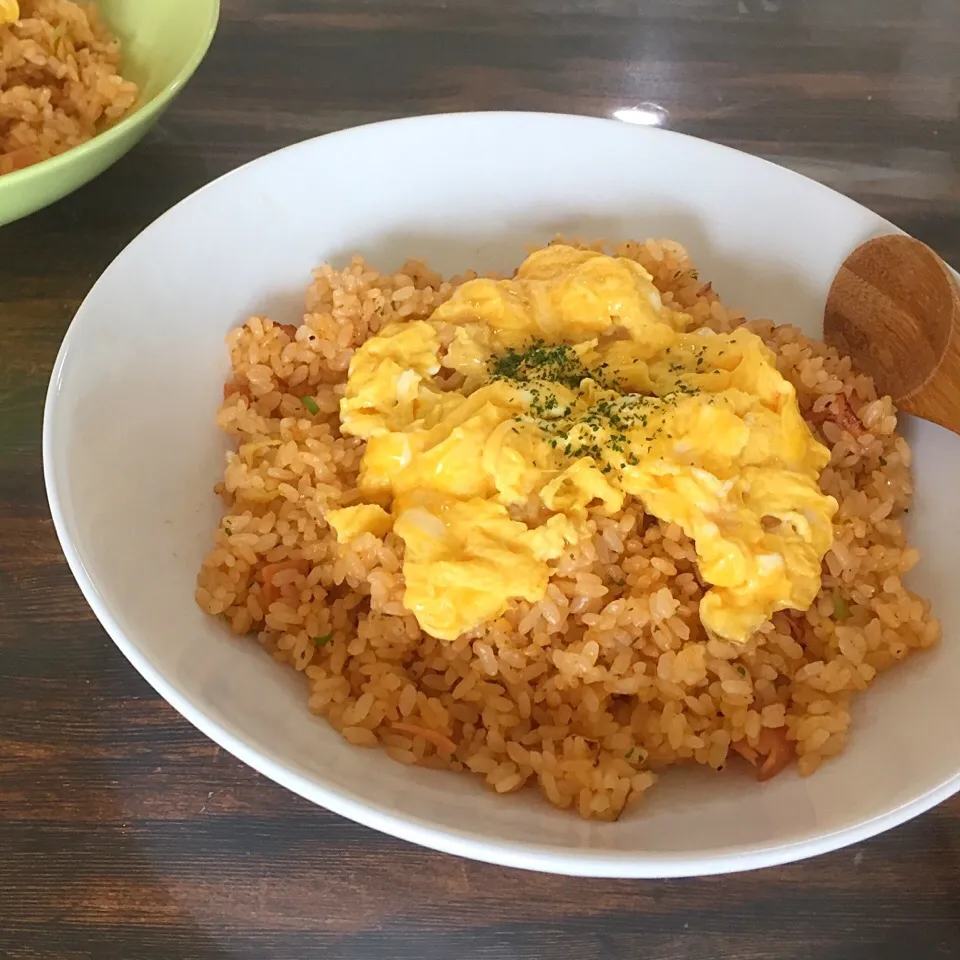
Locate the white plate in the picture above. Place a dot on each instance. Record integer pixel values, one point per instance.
(131, 453)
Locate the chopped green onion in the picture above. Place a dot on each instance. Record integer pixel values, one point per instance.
(742, 671)
(841, 609)
(311, 405)
(228, 531)
(324, 640)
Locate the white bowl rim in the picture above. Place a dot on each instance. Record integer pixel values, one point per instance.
(529, 856)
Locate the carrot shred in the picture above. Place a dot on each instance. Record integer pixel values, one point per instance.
(745, 751)
(441, 741)
(777, 752)
(270, 592)
(772, 754)
(231, 388)
(846, 419)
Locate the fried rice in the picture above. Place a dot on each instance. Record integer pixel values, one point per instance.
(60, 82)
(593, 692)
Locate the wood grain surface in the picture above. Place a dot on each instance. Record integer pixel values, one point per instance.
(124, 833)
(894, 309)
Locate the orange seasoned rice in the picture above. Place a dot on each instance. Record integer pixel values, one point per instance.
(60, 82)
(596, 690)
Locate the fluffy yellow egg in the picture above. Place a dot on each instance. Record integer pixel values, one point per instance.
(9, 11)
(495, 425)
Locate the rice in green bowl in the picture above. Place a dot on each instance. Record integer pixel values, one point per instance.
(61, 79)
(82, 82)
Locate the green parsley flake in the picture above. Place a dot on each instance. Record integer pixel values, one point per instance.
(553, 362)
(324, 640)
(601, 432)
(312, 406)
(841, 609)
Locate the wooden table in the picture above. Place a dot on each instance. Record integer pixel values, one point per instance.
(124, 833)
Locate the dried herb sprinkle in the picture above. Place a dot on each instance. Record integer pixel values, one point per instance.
(539, 365)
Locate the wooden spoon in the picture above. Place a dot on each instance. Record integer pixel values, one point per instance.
(894, 308)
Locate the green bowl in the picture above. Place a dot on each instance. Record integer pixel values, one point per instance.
(163, 44)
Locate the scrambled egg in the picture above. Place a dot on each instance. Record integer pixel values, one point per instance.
(9, 12)
(495, 425)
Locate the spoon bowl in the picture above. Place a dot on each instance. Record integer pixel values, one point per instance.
(894, 308)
